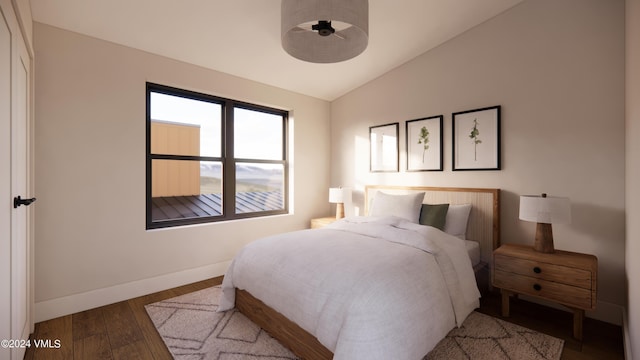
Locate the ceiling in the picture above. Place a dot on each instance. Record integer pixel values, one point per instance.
(242, 37)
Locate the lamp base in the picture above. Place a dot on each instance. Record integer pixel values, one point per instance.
(339, 210)
(544, 238)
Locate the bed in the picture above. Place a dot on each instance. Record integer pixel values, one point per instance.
(375, 287)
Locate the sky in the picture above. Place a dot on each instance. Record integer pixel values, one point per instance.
(258, 135)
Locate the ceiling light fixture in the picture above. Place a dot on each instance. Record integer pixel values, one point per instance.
(325, 31)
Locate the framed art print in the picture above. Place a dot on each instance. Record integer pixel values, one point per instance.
(476, 139)
(383, 140)
(424, 144)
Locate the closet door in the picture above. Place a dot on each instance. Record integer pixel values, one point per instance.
(5, 182)
(20, 246)
(15, 246)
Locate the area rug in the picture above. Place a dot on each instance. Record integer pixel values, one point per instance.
(192, 329)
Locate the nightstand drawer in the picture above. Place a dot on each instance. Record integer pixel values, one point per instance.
(545, 271)
(561, 293)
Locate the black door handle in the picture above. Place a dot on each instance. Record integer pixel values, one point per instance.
(17, 201)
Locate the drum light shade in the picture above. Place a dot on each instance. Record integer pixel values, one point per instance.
(545, 209)
(346, 37)
(336, 195)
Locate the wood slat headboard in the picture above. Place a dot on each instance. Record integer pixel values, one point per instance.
(484, 219)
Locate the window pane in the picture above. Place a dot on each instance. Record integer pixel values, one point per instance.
(259, 187)
(257, 135)
(183, 189)
(181, 126)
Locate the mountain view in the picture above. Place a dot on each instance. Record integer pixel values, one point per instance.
(249, 178)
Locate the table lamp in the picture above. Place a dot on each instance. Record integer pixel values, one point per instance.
(339, 196)
(545, 210)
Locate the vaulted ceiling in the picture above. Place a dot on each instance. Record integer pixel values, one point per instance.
(242, 37)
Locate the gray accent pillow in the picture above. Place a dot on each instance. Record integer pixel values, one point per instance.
(434, 215)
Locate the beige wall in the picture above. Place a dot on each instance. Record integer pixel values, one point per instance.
(557, 69)
(633, 175)
(91, 243)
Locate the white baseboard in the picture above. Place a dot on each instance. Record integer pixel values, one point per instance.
(607, 312)
(50, 309)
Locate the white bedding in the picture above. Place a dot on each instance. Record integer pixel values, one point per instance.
(367, 288)
(473, 249)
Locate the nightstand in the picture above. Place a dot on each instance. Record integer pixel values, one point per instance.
(322, 222)
(564, 277)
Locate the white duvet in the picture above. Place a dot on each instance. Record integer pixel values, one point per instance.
(367, 288)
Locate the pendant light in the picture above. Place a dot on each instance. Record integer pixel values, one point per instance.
(325, 31)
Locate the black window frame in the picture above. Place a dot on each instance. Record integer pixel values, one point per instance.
(226, 158)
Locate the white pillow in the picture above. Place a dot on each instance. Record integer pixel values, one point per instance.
(404, 206)
(456, 220)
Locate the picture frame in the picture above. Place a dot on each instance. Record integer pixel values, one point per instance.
(476, 139)
(424, 143)
(383, 146)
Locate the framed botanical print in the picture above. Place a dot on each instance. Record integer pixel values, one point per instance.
(383, 140)
(424, 144)
(476, 139)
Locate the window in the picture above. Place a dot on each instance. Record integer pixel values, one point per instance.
(212, 159)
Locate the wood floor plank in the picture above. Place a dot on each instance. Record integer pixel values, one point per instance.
(133, 351)
(185, 289)
(60, 329)
(88, 323)
(121, 325)
(95, 347)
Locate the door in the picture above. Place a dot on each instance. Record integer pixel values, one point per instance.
(5, 183)
(15, 247)
(20, 249)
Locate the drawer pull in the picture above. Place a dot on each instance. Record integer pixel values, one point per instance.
(537, 287)
(537, 270)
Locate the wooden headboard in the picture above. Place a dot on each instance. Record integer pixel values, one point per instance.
(484, 219)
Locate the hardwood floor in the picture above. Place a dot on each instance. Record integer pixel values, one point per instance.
(118, 331)
(601, 340)
(124, 330)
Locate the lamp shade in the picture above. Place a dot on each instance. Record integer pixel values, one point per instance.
(545, 209)
(339, 195)
(325, 31)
